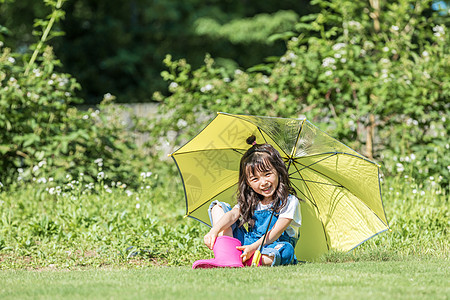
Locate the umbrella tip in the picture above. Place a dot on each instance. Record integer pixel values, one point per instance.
(169, 155)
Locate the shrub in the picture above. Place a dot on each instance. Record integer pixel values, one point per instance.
(40, 130)
(375, 77)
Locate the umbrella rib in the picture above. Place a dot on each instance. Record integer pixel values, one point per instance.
(338, 152)
(208, 199)
(312, 202)
(309, 167)
(296, 141)
(305, 167)
(182, 181)
(315, 205)
(205, 150)
(324, 183)
(341, 186)
(260, 131)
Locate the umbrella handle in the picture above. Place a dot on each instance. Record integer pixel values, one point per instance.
(256, 258)
(257, 254)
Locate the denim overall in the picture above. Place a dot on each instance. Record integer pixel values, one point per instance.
(282, 250)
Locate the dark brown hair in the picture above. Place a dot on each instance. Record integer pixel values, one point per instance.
(261, 157)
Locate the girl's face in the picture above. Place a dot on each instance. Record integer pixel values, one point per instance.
(264, 183)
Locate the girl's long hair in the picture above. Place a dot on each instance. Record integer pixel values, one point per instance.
(262, 158)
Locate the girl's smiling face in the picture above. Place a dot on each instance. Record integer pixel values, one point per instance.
(264, 183)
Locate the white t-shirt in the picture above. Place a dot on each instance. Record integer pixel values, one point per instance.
(290, 211)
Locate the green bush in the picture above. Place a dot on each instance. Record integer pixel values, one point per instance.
(375, 77)
(42, 134)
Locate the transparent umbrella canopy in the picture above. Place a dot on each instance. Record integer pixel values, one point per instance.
(342, 204)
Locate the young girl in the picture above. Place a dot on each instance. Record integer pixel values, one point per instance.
(263, 186)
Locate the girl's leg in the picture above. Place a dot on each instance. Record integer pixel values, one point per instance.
(217, 213)
(266, 260)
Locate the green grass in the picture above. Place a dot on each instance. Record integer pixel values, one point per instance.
(92, 241)
(410, 279)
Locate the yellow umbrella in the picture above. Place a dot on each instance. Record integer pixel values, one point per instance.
(341, 188)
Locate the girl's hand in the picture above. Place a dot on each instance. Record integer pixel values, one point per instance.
(247, 251)
(210, 239)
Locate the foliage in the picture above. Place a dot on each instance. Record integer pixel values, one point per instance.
(261, 27)
(80, 223)
(118, 46)
(90, 224)
(41, 133)
(375, 77)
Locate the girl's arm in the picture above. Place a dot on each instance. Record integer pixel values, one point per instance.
(277, 230)
(226, 221)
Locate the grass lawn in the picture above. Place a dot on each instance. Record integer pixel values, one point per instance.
(410, 279)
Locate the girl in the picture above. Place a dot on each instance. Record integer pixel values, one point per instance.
(263, 186)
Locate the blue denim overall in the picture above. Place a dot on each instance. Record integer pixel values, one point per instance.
(282, 250)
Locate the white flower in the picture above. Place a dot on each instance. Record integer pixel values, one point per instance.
(292, 56)
(328, 73)
(328, 61)
(394, 27)
(206, 88)
(37, 73)
(414, 191)
(138, 206)
(385, 49)
(400, 167)
(11, 60)
(338, 46)
(108, 96)
(425, 54)
(181, 123)
(438, 30)
(250, 90)
(173, 85)
(101, 175)
(238, 72)
(226, 79)
(355, 24)
(1, 184)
